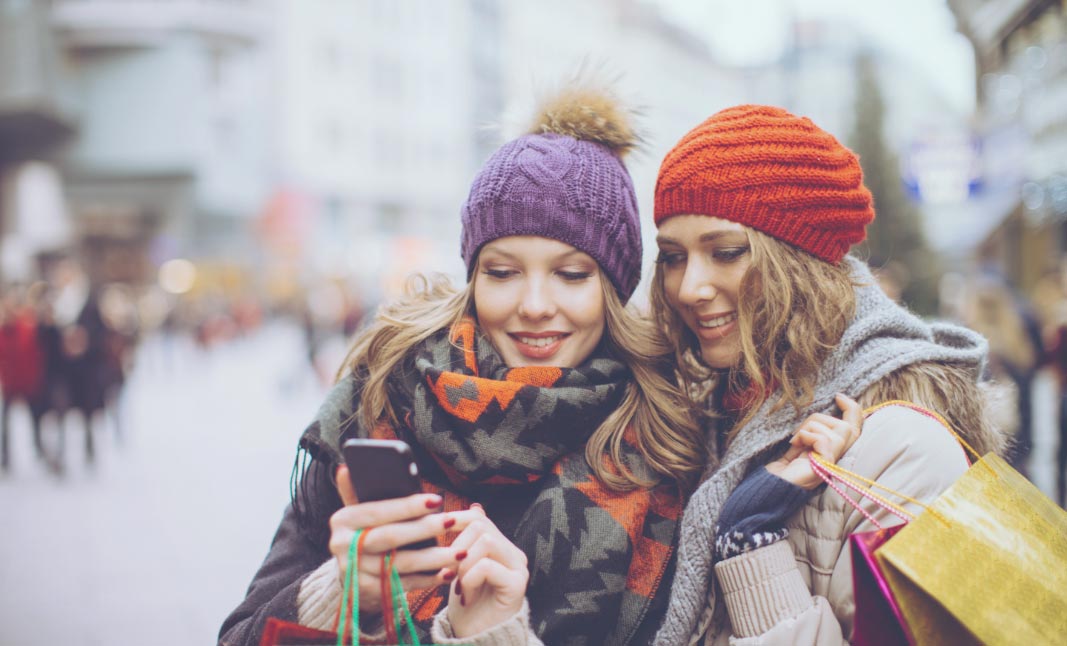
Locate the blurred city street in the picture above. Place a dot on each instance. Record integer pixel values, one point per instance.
(156, 543)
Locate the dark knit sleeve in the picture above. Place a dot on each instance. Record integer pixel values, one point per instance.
(755, 513)
(292, 556)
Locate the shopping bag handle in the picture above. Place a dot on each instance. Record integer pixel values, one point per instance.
(351, 589)
(831, 473)
(971, 453)
(393, 598)
(822, 468)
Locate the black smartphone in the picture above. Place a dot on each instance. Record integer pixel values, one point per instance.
(381, 470)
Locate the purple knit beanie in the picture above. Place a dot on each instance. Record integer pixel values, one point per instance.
(565, 181)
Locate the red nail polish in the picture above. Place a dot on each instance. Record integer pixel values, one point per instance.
(449, 522)
(434, 502)
(462, 601)
(461, 555)
(459, 588)
(448, 575)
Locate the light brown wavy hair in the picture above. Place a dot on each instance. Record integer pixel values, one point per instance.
(793, 310)
(653, 406)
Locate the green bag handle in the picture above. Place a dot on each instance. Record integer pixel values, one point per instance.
(351, 590)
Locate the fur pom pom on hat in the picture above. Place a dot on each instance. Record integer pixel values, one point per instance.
(768, 169)
(564, 180)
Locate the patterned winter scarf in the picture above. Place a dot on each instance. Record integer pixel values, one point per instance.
(514, 440)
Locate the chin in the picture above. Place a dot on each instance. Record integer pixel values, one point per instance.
(718, 360)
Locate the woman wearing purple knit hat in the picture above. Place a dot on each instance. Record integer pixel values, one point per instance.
(756, 210)
(553, 446)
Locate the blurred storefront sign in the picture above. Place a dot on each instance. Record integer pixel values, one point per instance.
(943, 167)
(285, 224)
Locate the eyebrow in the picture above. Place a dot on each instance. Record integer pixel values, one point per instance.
(711, 236)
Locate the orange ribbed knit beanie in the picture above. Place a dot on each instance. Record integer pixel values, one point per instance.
(768, 169)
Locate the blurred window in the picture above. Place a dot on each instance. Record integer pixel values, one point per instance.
(219, 62)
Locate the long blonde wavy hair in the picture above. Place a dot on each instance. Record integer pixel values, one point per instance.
(793, 310)
(653, 406)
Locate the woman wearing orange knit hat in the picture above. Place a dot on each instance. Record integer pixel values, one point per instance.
(756, 210)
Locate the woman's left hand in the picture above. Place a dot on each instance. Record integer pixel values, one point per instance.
(491, 583)
(826, 435)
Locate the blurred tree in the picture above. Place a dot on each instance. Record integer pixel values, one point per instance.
(896, 235)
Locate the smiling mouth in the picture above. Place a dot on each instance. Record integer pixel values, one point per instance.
(538, 346)
(718, 321)
(538, 342)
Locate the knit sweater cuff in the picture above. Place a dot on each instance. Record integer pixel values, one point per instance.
(513, 632)
(319, 598)
(755, 513)
(762, 588)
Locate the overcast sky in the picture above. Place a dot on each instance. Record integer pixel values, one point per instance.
(921, 31)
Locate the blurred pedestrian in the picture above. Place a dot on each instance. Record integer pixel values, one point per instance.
(1054, 305)
(85, 348)
(551, 443)
(21, 367)
(996, 311)
(55, 400)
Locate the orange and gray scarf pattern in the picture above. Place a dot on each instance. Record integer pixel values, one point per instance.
(513, 439)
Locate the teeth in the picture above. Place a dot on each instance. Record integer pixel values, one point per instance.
(539, 343)
(718, 320)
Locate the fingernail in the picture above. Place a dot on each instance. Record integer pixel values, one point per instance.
(435, 501)
(449, 522)
(459, 588)
(477, 505)
(462, 601)
(448, 575)
(461, 555)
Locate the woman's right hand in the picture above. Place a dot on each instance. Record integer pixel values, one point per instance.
(389, 525)
(828, 436)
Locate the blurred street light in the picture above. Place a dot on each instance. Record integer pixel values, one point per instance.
(177, 276)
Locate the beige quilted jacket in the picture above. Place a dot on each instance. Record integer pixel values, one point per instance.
(799, 591)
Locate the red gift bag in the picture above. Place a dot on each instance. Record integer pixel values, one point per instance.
(285, 633)
(399, 626)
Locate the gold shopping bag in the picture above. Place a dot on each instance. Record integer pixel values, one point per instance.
(986, 563)
(993, 554)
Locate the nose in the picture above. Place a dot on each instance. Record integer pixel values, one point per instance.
(697, 284)
(536, 302)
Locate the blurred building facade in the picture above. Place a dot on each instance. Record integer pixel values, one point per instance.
(380, 104)
(35, 121)
(1021, 54)
(817, 76)
(321, 137)
(172, 106)
(338, 138)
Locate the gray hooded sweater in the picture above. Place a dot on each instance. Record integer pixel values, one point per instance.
(882, 338)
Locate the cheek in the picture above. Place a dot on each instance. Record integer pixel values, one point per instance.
(672, 281)
(585, 307)
(490, 306)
